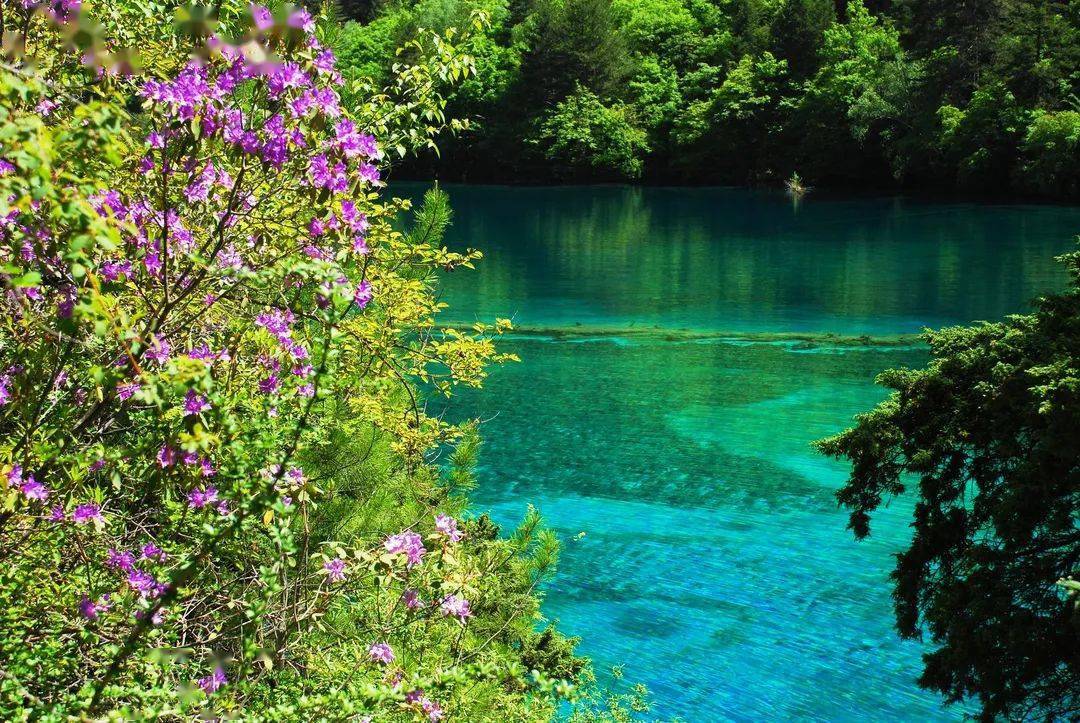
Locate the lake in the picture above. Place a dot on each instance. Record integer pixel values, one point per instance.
(680, 350)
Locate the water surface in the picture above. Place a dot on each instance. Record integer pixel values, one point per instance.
(715, 566)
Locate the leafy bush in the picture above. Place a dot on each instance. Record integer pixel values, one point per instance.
(217, 498)
(583, 135)
(1051, 153)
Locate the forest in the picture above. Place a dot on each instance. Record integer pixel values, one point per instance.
(977, 97)
(277, 427)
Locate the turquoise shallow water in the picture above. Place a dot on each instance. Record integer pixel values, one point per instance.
(715, 566)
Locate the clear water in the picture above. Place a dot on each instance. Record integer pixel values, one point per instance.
(715, 566)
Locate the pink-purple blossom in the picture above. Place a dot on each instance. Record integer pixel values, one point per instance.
(90, 609)
(159, 350)
(363, 294)
(447, 526)
(126, 390)
(381, 653)
(166, 456)
(144, 584)
(200, 497)
(335, 569)
(213, 682)
(195, 403)
(412, 600)
(409, 544)
(150, 551)
(120, 560)
(455, 606)
(86, 513)
(34, 490)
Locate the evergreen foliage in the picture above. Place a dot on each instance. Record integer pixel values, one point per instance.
(985, 439)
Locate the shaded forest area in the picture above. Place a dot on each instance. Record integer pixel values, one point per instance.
(979, 96)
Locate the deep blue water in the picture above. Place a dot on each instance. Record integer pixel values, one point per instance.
(714, 565)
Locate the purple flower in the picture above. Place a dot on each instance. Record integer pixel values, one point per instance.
(335, 569)
(34, 490)
(351, 142)
(166, 456)
(213, 682)
(150, 551)
(199, 498)
(363, 294)
(301, 20)
(159, 616)
(369, 173)
(455, 606)
(159, 350)
(111, 270)
(322, 176)
(118, 560)
(431, 708)
(412, 600)
(152, 262)
(263, 20)
(127, 390)
(6, 167)
(409, 544)
(144, 583)
(57, 514)
(195, 403)
(277, 323)
(203, 353)
(85, 514)
(285, 76)
(434, 712)
(447, 526)
(269, 385)
(354, 219)
(324, 62)
(381, 653)
(90, 610)
(45, 106)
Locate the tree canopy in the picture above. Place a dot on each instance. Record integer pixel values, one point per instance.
(871, 95)
(985, 439)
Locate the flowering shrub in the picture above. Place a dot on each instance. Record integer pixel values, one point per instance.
(215, 495)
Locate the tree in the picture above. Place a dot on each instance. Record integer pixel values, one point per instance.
(582, 134)
(839, 115)
(735, 125)
(985, 437)
(1051, 153)
(982, 141)
(797, 31)
(573, 42)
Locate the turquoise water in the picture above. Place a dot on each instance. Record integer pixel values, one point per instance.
(715, 566)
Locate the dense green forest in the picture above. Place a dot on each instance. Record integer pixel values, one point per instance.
(977, 96)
